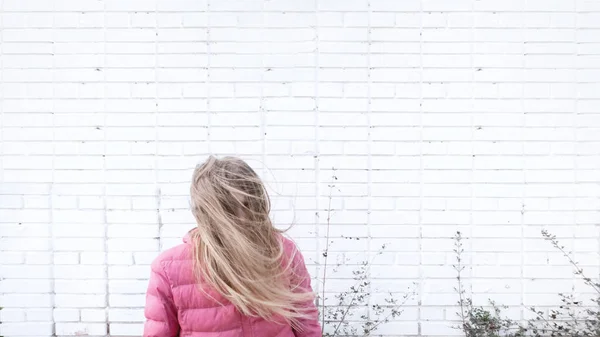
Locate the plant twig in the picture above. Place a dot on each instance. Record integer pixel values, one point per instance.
(393, 312)
(326, 252)
(337, 317)
(459, 268)
(351, 305)
(578, 269)
(347, 310)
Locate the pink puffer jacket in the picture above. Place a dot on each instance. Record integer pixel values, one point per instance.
(175, 306)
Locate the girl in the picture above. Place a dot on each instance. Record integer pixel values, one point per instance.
(235, 275)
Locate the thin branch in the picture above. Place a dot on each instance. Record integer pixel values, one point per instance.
(345, 312)
(578, 269)
(326, 253)
(459, 268)
(350, 306)
(386, 318)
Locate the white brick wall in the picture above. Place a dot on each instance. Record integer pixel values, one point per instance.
(438, 115)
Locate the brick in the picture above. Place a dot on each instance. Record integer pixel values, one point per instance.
(127, 286)
(93, 315)
(66, 315)
(81, 328)
(39, 315)
(127, 329)
(97, 258)
(27, 329)
(26, 271)
(80, 301)
(80, 271)
(126, 315)
(26, 300)
(127, 300)
(12, 315)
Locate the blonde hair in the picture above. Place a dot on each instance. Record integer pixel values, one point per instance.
(237, 250)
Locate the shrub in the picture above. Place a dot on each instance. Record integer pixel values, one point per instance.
(353, 313)
(478, 321)
(571, 319)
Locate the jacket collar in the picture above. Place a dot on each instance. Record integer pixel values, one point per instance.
(188, 236)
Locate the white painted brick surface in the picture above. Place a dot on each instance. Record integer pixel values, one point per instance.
(438, 116)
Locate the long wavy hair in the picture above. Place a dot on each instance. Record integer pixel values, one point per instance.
(237, 250)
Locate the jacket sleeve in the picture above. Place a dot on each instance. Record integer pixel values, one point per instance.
(310, 325)
(160, 311)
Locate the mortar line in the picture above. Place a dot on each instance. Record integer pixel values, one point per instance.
(104, 174)
(53, 175)
(524, 182)
(207, 79)
(2, 100)
(262, 113)
(156, 132)
(2, 251)
(369, 152)
(421, 182)
(576, 140)
(472, 141)
(319, 285)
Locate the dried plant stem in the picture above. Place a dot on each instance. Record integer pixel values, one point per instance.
(578, 270)
(345, 314)
(338, 317)
(326, 253)
(386, 318)
(459, 268)
(352, 301)
(542, 318)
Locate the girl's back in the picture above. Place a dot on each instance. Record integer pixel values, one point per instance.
(204, 287)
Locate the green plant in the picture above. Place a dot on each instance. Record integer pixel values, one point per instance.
(573, 318)
(477, 321)
(353, 314)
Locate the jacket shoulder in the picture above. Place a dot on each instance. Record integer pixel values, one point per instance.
(178, 253)
(289, 246)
